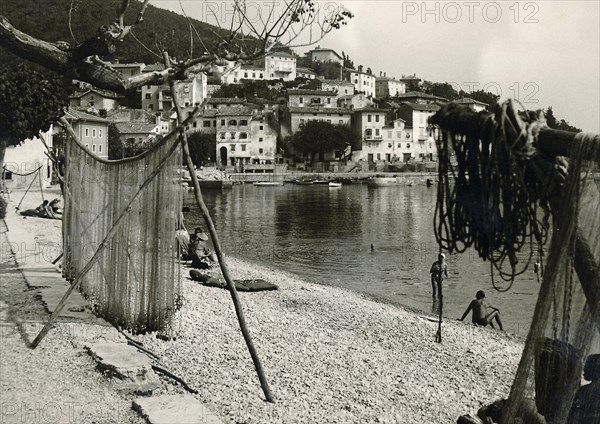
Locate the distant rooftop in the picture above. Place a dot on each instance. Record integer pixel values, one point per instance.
(469, 101)
(307, 92)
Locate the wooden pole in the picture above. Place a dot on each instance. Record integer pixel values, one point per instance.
(217, 245)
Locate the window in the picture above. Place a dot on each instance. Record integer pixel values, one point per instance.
(100, 148)
(222, 135)
(260, 139)
(232, 147)
(261, 75)
(93, 147)
(94, 132)
(243, 122)
(148, 86)
(300, 100)
(245, 74)
(7, 174)
(205, 124)
(408, 145)
(378, 156)
(195, 124)
(260, 151)
(243, 135)
(222, 122)
(328, 100)
(232, 122)
(243, 147)
(253, 74)
(100, 133)
(376, 118)
(148, 96)
(369, 118)
(390, 145)
(260, 127)
(232, 135)
(377, 131)
(87, 132)
(399, 145)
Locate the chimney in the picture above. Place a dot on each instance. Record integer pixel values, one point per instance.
(384, 74)
(380, 73)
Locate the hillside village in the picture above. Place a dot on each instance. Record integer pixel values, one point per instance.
(387, 115)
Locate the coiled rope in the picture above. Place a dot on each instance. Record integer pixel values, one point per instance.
(496, 198)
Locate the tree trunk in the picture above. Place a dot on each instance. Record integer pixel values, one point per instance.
(3, 146)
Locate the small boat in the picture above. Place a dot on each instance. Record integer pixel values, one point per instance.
(334, 184)
(304, 182)
(323, 182)
(268, 183)
(382, 181)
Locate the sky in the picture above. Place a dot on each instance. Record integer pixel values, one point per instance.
(542, 53)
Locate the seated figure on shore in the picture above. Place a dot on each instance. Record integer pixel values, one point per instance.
(481, 316)
(198, 251)
(42, 211)
(586, 406)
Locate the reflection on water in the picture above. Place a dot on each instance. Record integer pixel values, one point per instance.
(325, 235)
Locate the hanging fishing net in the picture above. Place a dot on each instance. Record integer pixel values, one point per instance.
(130, 210)
(508, 184)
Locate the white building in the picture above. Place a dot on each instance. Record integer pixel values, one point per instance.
(301, 97)
(476, 105)
(388, 87)
(416, 116)
(341, 87)
(280, 65)
(369, 123)
(190, 92)
(363, 82)
(245, 137)
(319, 54)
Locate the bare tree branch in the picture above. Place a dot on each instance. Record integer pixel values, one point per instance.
(82, 61)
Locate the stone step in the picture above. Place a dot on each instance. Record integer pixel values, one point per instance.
(130, 371)
(171, 409)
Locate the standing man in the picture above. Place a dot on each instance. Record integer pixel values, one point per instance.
(481, 316)
(438, 271)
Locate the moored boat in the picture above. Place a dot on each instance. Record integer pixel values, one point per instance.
(268, 183)
(334, 184)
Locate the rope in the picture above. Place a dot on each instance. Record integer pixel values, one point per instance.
(493, 199)
(22, 175)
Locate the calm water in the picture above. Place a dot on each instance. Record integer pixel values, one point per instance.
(324, 235)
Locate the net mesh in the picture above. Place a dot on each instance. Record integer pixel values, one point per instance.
(501, 194)
(135, 281)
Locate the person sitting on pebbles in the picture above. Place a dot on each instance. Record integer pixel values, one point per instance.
(201, 256)
(481, 316)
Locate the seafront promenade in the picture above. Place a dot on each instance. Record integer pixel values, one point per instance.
(330, 355)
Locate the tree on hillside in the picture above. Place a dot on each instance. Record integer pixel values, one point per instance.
(203, 147)
(318, 137)
(557, 124)
(482, 96)
(116, 148)
(31, 100)
(441, 89)
(347, 63)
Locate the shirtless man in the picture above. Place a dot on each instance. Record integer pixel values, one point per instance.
(480, 311)
(438, 271)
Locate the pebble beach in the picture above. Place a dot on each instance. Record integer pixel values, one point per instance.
(330, 355)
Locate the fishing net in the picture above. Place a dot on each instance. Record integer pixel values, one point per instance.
(130, 210)
(506, 193)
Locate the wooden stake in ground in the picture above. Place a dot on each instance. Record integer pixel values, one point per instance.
(217, 245)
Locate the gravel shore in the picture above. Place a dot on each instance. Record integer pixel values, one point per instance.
(330, 356)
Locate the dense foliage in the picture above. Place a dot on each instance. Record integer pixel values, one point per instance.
(203, 147)
(318, 137)
(556, 124)
(30, 101)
